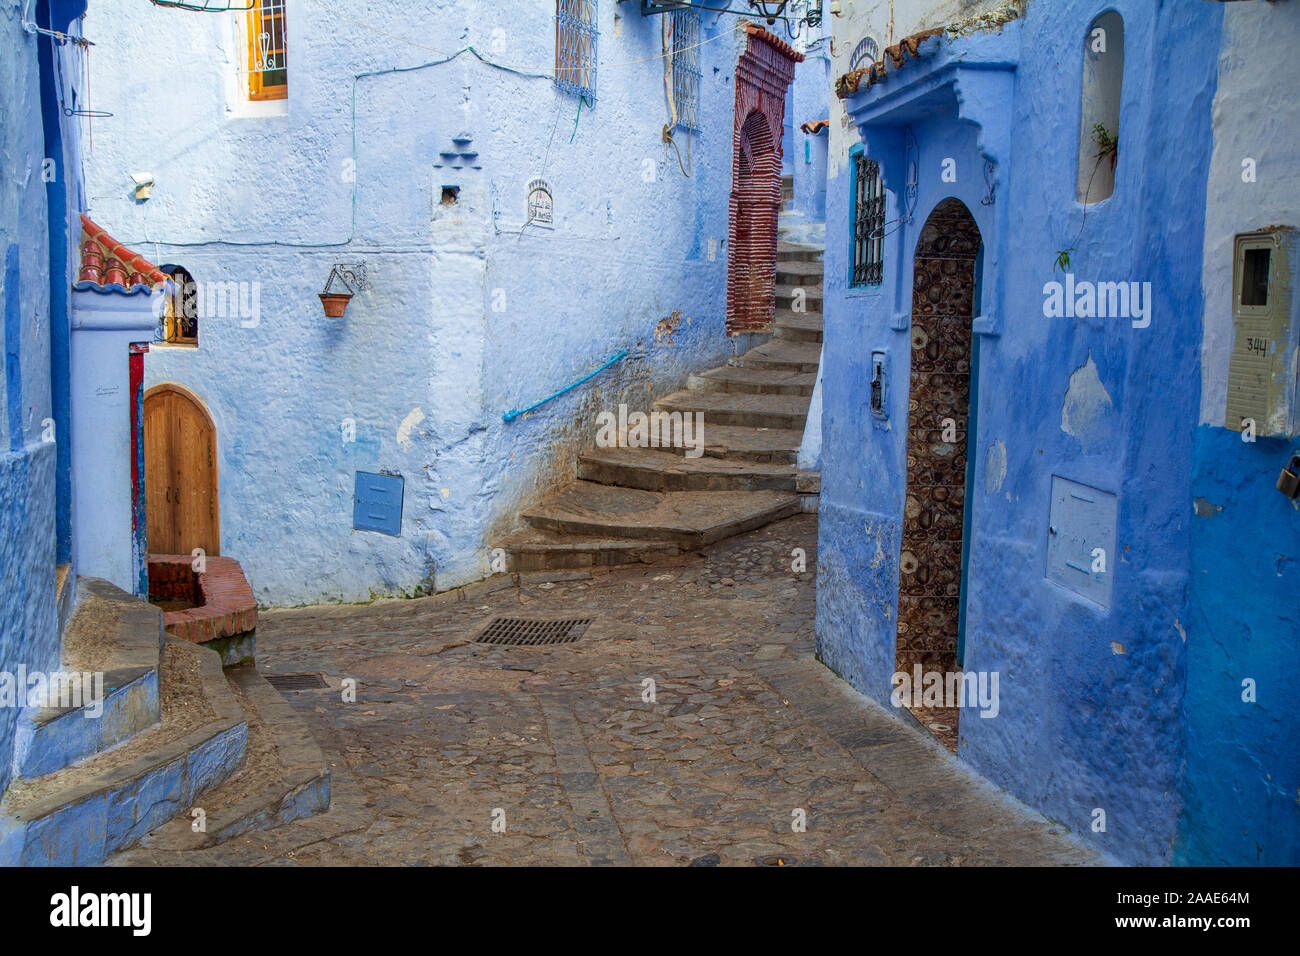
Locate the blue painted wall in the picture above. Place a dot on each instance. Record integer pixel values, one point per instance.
(1091, 697)
(1242, 787)
(465, 317)
(29, 633)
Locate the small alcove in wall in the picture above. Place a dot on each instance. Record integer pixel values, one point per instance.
(1099, 100)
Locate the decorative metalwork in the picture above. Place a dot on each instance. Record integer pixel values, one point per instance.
(268, 63)
(575, 46)
(865, 53)
(911, 189)
(686, 68)
(989, 198)
(351, 274)
(868, 223)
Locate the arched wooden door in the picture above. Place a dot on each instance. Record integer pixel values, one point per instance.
(180, 467)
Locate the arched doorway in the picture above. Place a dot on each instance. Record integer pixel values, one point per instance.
(939, 418)
(180, 466)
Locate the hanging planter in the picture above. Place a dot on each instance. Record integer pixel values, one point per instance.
(352, 277)
(335, 303)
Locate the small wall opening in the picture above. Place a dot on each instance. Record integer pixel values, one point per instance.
(1103, 78)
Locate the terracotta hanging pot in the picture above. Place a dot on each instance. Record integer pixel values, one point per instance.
(335, 303)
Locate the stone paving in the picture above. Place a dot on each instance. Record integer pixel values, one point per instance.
(746, 736)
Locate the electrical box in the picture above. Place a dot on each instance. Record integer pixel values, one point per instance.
(1263, 365)
(1081, 539)
(377, 503)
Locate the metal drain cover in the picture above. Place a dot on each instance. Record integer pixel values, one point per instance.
(516, 632)
(283, 682)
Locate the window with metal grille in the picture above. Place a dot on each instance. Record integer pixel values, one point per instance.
(268, 67)
(575, 46)
(686, 68)
(868, 222)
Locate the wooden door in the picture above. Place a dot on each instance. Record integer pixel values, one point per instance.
(180, 467)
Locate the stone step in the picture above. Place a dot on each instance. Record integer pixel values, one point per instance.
(770, 445)
(739, 408)
(534, 549)
(781, 354)
(812, 299)
(804, 275)
(690, 519)
(792, 251)
(110, 633)
(759, 381)
(284, 779)
(81, 814)
(798, 326)
(653, 470)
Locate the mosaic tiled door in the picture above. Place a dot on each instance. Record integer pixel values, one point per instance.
(930, 563)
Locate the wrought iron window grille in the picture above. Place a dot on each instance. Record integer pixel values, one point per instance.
(575, 47)
(686, 68)
(868, 223)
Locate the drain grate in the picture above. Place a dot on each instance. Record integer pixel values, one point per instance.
(284, 682)
(518, 632)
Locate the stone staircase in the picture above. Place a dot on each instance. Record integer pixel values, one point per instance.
(631, 505)
(172, 733)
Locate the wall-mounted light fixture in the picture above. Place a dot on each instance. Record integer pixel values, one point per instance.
(352, 277)
(143, 185)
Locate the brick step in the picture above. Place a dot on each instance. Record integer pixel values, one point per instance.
(653, 470)
(759, 381)
(739, 408)
(812, 299)
(781, 354)
(112, 633)
(534, 549)
(798, 326)
(285, 778)
(79, 815)
(689, 519)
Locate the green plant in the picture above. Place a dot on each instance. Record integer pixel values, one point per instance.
(1107, 145)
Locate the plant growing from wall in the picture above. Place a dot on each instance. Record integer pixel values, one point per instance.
(1107, 146)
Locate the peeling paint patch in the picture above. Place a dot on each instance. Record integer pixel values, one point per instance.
(668, 327)
(1206, 508)
(408, 423)
(1181, 632)
(1087, 411)
(995, 467)
(1117, 648)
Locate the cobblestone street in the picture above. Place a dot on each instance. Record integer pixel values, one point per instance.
(746, 730)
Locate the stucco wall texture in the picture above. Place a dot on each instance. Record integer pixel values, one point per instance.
(1096, 701)
(466, 315)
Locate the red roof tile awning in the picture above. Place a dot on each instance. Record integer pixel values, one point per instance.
(107, 265)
